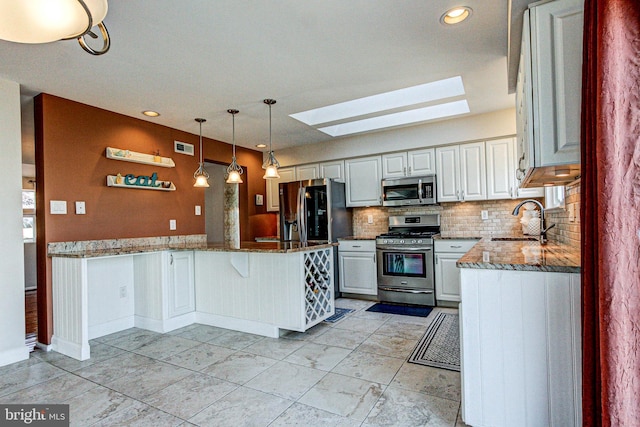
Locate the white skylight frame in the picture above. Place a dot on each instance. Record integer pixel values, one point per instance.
(397, 119)
(427, 92)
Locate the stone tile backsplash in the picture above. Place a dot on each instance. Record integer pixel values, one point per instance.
(567, 231)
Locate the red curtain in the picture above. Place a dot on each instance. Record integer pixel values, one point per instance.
(610, 212)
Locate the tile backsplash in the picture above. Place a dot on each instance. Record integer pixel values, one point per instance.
(567, 229)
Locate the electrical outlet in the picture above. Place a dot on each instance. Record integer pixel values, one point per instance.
(172, 224)
(123, 291)
(485, 256)
(572, 214)
(484, 214)
(198, 210)
(369, 219)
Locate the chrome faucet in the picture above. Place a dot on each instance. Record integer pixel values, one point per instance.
(543, 224)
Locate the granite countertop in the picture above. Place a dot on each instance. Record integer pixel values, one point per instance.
(441, 237)
(271, 247)
(522, 256)
(357, 238)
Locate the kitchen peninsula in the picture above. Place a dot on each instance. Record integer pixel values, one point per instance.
(164, 283)
(520, 334)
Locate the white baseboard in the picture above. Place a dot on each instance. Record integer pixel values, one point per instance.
(166, 325)
(241, 325)
(71, 349)
(111, 327)
(44, 347)
(18, 354)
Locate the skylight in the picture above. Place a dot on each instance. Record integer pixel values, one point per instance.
(427, 92)
(347, 112)
(396, 119)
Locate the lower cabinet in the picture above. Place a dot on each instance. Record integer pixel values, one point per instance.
(180, 284)
(357, 260)
(447, 253)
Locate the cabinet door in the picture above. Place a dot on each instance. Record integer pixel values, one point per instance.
(447, 277)
(447, 173)
(524, 107)
(394, 165)
(473, 175)
(500, 169)
(273, 196)
(332, 170)
(556, 45)
(305, 172)
(363, 181)
(180, 289)
(421, 162)
(358, 273)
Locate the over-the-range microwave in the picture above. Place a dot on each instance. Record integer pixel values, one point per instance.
(418, 190)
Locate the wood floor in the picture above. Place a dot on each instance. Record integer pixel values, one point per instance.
(31, 312)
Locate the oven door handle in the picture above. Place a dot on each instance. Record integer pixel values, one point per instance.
(406, 291)
(420, 191)
(403, 249)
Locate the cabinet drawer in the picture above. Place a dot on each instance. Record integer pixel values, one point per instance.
(357, 245)
(454, 245)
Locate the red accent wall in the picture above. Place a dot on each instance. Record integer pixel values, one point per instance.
(71, 165)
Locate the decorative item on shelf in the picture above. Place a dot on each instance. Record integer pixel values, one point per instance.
(271, 164)
(200, 175)
(234, 170)
(40, 22)
(140, 182)
(134, 157)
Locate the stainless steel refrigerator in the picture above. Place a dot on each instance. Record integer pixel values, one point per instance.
(315, 211)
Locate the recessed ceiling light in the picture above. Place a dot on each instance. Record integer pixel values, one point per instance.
(456, 15)
(396, 119)
(150, 113)
(261, 145)
(563, 172)
(413, 95)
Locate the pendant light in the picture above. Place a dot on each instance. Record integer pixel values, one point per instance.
(270, 165)
(44, 21)
(200, 175)
(234, 170)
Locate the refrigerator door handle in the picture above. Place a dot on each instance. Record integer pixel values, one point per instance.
(302, 215)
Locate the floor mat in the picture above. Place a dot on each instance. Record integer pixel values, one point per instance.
(405, 310)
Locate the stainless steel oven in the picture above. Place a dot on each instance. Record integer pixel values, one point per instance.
(405, 260)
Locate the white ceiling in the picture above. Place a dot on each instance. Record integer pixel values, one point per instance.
(198, 58)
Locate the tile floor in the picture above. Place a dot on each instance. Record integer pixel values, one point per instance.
(350, 373)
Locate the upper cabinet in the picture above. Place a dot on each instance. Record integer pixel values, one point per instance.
(332, 170)
(461, 173)
(305, 172)
(363, 176)
(548, 98)
(501, 172)
(273, 193)
(409, 163)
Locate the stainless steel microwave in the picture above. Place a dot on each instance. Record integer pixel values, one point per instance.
(418, 190)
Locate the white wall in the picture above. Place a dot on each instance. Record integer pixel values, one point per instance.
(473, 128)
(12, 332)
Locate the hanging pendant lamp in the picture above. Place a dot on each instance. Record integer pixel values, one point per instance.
(44, 21)
(200, 175)
(271, 164)
(234, 170)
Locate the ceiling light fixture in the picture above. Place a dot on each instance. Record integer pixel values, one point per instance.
(150, 113)
(261, 145)
(44, 21)
(234, 170)
(200, 175)
(456, 15)
(562, 172)
(271, 164)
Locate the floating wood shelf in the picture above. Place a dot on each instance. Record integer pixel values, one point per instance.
(164, 185)
(132, 156)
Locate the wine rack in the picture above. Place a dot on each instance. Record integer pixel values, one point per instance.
(318, 277)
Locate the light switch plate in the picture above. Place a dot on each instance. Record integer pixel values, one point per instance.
(369, 219)
(259, 200)
(172, 224)
(572, 213)
(58, 207)
(80, 208)
(484, 214)
(198, 210)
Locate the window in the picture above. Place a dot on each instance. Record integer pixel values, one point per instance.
(28, 216)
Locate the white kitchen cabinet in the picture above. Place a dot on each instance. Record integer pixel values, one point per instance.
(447, 252)
(461, 172)
(332, 170)
(501, 172)
(180, 283)
(287, 174)
(521, 348)
(305, 172)
(363, 181)
(549, 91)
(357, 265)
(409, 163)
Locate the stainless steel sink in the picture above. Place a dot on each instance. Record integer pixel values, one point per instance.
(514, 239)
